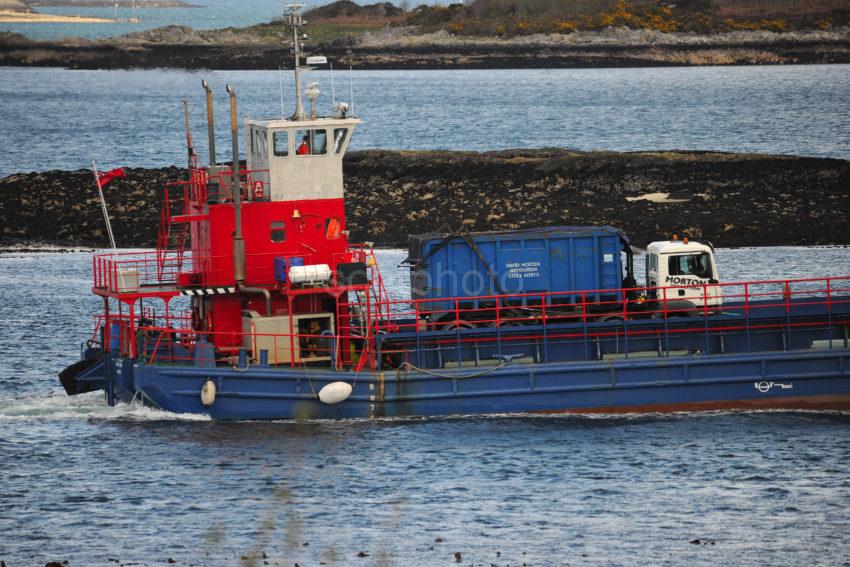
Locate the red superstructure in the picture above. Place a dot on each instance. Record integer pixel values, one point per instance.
(261, 248)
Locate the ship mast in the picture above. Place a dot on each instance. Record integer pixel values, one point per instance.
(293, 18)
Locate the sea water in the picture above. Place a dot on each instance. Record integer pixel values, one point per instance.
(95, 485)
(63, 119)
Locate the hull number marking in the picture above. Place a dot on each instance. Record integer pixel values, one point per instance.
(764, 387)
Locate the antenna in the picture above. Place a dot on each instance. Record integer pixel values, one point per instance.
(333, 90)
(351, 90)
(280, 77)
(293, 18)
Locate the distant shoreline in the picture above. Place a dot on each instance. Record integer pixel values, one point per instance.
(231, 49)
(11, 17)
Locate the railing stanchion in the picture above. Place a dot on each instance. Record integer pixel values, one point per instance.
(418, 337)
(457, 329)
(829, 311)
(625, 323)
(584, 325)
(747, 316)
(498, 326)
(787, 315)
(543, 299)
(705, 317)
(666, 323)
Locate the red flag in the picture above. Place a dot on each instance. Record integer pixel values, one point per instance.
(106, 176)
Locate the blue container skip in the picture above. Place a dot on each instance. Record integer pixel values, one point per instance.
(554, 259)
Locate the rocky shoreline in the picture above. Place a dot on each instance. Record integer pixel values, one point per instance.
(180, 47)
(731, 199)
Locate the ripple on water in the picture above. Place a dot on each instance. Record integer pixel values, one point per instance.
(85, 482)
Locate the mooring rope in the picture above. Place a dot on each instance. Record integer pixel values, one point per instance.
(437, 374)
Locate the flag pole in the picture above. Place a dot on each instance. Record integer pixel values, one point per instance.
(103, 206)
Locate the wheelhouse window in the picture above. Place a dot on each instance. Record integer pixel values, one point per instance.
(652, 260)
(340, 135)
(280, 141)
(278, 231)
(698, 265)
(311, 142)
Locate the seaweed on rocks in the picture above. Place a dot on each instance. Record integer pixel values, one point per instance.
(731, 199)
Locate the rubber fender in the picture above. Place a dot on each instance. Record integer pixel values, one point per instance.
(208, 393)
(68, 377)
(335, 392)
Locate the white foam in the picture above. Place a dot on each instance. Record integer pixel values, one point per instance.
(57, 407)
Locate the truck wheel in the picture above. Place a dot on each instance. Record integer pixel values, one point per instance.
(505, 324)
(607, 318)
(452, 325)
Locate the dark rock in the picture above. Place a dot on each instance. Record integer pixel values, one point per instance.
(170, 560)
(53, 564)
(695, 541)
(183, 47)
(458, 557)
(730, 199)
(362, 554)
(438, 540)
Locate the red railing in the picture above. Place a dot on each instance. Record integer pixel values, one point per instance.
(352, 342)
(191, 205)
(127, 272)
(165, 345)
(748, 308)
(622, 304)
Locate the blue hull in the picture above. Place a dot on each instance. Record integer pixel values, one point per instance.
(797, 380)
(774, 361)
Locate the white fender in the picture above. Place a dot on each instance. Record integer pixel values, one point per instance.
(335, 392)
(208, 393)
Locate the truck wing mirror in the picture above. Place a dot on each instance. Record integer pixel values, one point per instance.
(713, 281)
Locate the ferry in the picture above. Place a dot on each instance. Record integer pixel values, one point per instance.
(255, 305)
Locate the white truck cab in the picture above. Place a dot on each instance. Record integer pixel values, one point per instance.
(685, 271)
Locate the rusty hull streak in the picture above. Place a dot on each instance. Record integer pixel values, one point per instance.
(377, 399)
(837, 402)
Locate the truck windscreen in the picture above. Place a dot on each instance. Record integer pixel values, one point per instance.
(698, 265)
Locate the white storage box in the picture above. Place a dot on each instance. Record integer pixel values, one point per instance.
(127, 280)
